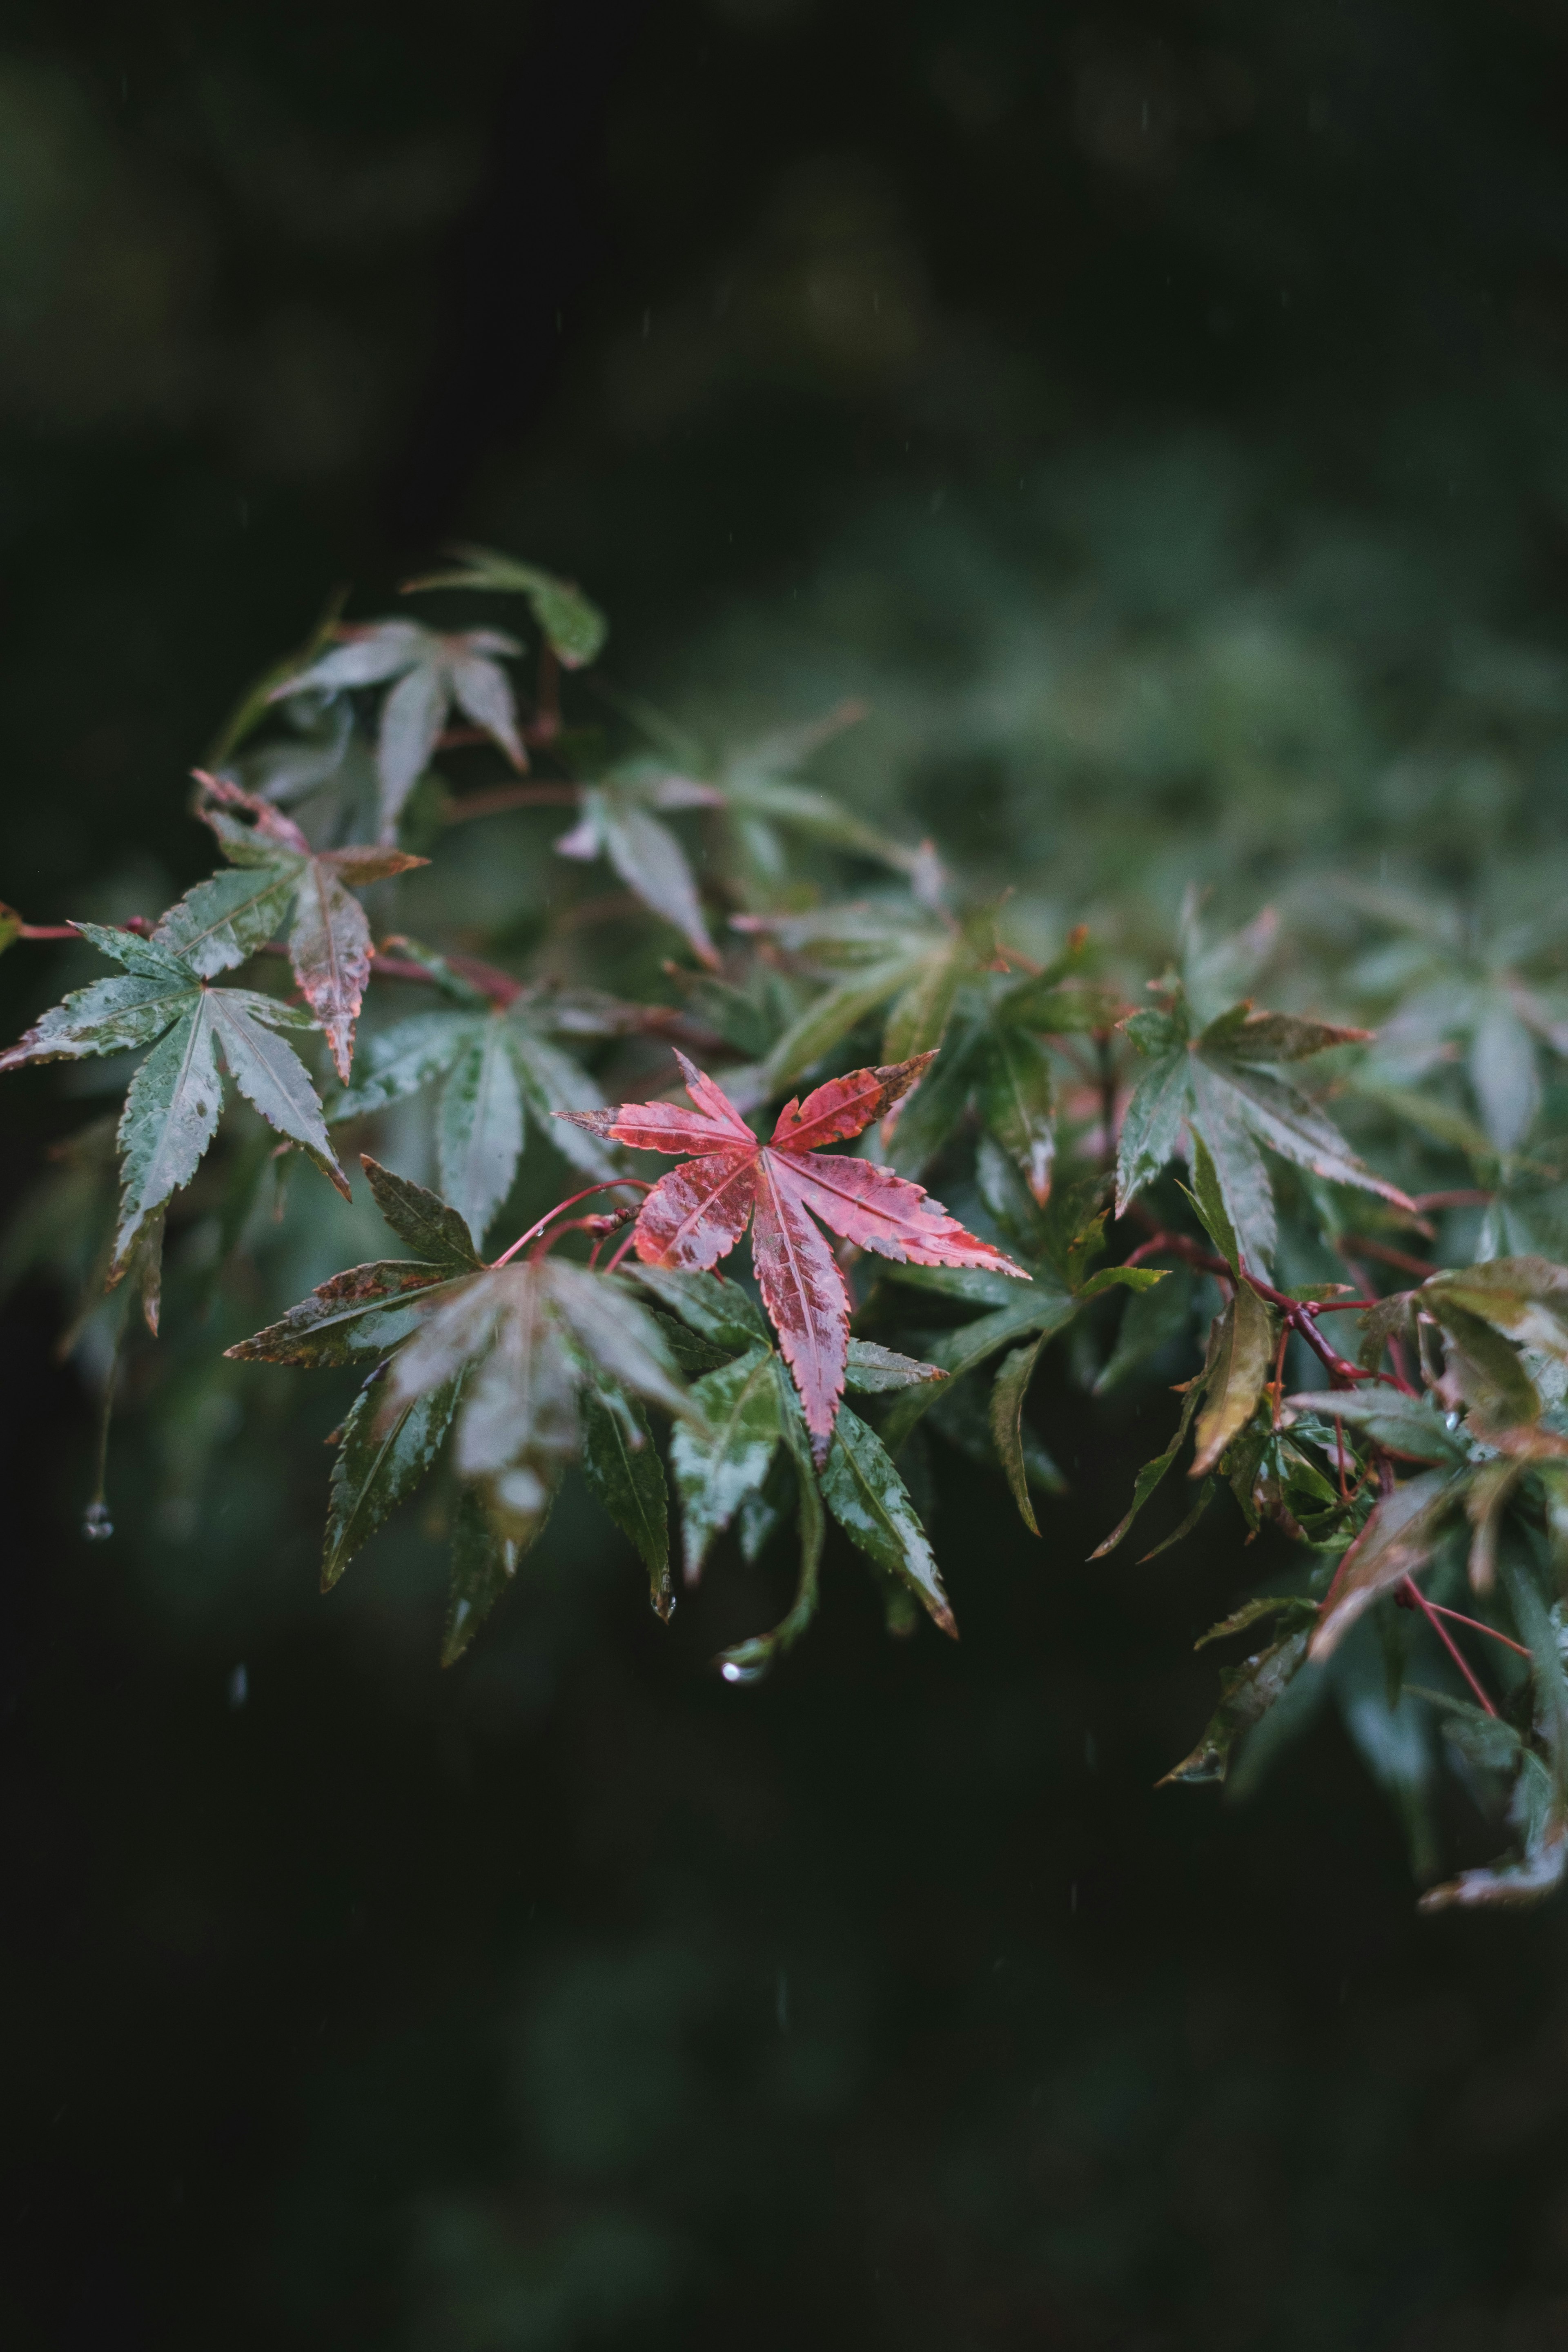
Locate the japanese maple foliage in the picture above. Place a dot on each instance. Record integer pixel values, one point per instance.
(1408, 1469)
(696, 1214)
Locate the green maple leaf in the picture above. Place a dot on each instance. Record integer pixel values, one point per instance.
(273, 872)
(1221, 1082)
(499, 1360)
(493, 1065)
(572, 624)
(172, 1109)
(432, 672)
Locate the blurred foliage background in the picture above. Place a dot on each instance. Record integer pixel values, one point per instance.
(1156, 414)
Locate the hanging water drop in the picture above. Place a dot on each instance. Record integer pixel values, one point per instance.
(96, 1524)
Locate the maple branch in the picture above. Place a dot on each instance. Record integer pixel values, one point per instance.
(1410, 1593)
(1298, 1312)
(610, 1184)
(1479, 1625)
(1400, 1259)
(503, 797)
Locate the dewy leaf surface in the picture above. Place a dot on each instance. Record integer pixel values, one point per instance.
(718, 1465)
(871, 1504)
(696, 1214)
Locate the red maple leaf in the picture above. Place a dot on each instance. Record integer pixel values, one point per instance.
(697, 1213)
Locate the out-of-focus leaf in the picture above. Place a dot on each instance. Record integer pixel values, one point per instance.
(918, 1019)
(1018, 1103)
(1527, 1297)
(1397, 1540)
(869, 1500)
(1155, 1320)
(746, 1662)
(1274, 1604)
(574, 628)
(648, 858)
(622, 1465)
(1240, 1365)
(718, 1465)
(1389, 1319)
(1486, 1369)
(1151, 1475)
(1179, 1533)
(483, 1565)
(1247, 1693)
(432, 672)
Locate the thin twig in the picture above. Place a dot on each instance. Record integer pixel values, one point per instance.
(1435, 1622)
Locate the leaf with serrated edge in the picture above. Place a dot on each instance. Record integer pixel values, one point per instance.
(483, 1565)
(716, 1467)
(422, 1219)
(872, 1370)
(621, 1464)
(377, 1468)
(356, 1315)
(1269, 1605)
(1247, 1692)
(171, 1116)
(480, 1130)
(869, 1500)
(270, 1074)
(698, 1213)
(1017, 1104)
(401, 1060)
(1407, 1425)
(1398, 1539)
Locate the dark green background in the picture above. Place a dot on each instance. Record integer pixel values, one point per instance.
(570, 1998)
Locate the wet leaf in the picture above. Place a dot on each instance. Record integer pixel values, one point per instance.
(1247, 1693)
(378, 1467)
(1008, 1425)
(1243, 1358)
(1220, 1083)
(572, 627)
(747, 1661)
(718, 1465)
(1398, 1539)
(867, 1498)
(697, 1213)
(1409, 1425)
(483, 1565)
(432, 672)
(622, 1465)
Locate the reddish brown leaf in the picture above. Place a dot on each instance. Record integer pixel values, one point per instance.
(329, 944)
(697, 1213)
(845, 1107)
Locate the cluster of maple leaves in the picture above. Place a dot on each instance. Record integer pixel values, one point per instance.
(1426, 1467)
